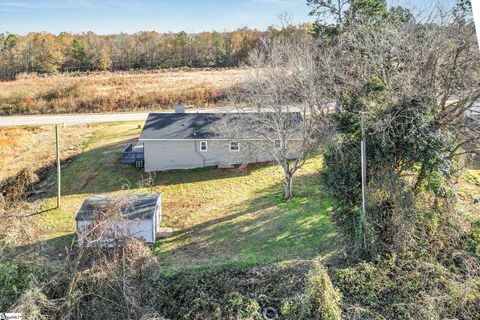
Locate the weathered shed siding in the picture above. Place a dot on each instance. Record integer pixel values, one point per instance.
(143, 230)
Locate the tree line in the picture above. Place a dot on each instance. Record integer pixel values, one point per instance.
(69, 52)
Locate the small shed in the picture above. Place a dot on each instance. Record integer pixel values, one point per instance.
(140, 216)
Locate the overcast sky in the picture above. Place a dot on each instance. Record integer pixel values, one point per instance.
(110, 16)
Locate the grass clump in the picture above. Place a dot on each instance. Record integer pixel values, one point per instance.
(319, 299)
(323, 300)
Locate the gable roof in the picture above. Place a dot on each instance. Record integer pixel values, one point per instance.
(137, 206)
(194, 126)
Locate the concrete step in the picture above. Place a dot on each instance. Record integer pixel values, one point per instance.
(164, 232)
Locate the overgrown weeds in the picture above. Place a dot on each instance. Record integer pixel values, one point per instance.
(14, 189)
(99, 279)
(114, 92)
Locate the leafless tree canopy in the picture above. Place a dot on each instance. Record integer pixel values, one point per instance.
(284, 84)
(433, 59)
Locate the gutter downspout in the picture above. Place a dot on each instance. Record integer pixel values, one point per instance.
(198, 152)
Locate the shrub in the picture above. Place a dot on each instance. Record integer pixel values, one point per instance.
(14, 105)
(230, 294)
(475, 238)
(15, 278)
(410, 143)
(62, 92)
(405, 287)
(241, 307)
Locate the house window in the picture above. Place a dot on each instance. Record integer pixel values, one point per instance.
(234, 146)
(203, 146)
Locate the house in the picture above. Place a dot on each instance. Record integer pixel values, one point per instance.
(139, 216)
(191, 140)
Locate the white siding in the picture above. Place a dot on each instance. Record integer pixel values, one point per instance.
(166, 155)
(186, 154)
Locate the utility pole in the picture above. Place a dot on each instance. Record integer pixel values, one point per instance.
(59, 179)
(364, 169)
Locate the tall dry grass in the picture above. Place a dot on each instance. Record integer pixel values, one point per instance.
(109, 92)
(34, 147)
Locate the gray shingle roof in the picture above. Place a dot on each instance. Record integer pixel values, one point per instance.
(197, 126)
(133, 207)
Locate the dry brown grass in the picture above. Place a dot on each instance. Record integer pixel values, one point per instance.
(34, 147)
(8, 140)
(107, 92)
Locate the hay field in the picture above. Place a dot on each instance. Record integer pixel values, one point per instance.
(122, 91)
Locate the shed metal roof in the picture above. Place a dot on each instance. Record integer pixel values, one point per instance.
(132, 207)
(179, 126)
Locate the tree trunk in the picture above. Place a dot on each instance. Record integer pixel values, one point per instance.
(287, 185)
(420, 178)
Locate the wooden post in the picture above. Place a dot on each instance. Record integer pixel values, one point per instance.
(363, 163)
(59, 179)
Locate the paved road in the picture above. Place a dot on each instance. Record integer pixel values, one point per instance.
(12, 121)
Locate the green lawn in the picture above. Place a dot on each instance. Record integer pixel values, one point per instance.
(221, 218)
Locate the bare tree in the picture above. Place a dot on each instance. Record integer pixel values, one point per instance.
(282, 106)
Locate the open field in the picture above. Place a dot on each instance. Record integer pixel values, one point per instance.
(109, 92)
